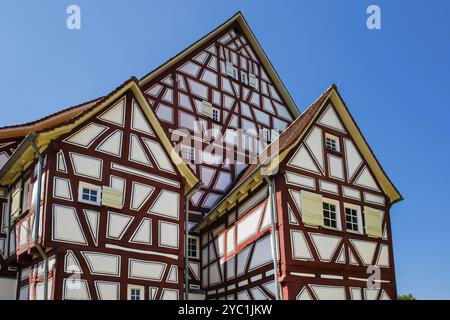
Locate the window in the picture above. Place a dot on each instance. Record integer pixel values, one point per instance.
(329, 215)
(207, 109)
(187, 153)
(26, 195)
(332, 142)
(88, 193)
(267, 136)
(16, 198)
(231, 70)
(216, 115)
(135, 293)
(193, 247)
(252, 81)
(244, 77)
(351, 219)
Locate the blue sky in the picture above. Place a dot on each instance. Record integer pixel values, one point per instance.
(394, 80)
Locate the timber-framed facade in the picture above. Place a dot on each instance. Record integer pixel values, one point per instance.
(101, 201)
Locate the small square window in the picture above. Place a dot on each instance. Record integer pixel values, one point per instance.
(329, 215)
(89, 193)
(187, 153)
(193, 247)
(351, 219)
(252, 81)
(135, 293)
(231, 70)
(216, 115)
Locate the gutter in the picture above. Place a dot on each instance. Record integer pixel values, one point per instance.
(37, 217)
(275, 249)
(186, 239)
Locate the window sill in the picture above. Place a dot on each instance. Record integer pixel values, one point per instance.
(89, 202)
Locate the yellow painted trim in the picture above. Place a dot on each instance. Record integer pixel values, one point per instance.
(44, 138)
(364, 148)
(239, 18)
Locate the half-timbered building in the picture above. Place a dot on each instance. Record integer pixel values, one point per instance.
(200, 180)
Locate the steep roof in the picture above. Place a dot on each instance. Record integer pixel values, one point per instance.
(237, 19)
(24, 154)
(287, 140)
(21, 130)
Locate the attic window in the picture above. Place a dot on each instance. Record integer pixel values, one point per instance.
(332, 142)
(244, 77)
(231, 70)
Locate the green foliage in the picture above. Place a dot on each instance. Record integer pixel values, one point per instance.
(406, 297)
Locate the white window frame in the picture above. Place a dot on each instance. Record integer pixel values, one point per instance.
(244, 77)
(217, 112)
(359, 217)
(136, 287)
(231, 70)
(26, 195)
(197, 256)
(338, 214)
(84, 185)
(333, 138)
(191, 153)
(253, 81)
(207, 109)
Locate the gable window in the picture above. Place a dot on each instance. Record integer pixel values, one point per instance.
(89, 193)
(244, 77)
(135, 292)
(26, 195)
(332, 142)
(231, 70)
(267, 136)
(207, 109)
(351, 219)
(329, 215)
(216, 114)
(187, 153)
(193, 247)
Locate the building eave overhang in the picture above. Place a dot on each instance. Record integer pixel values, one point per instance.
(24, 154)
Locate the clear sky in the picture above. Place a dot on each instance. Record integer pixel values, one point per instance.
(394, 80)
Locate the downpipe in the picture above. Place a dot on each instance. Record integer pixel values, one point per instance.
(275, 249)
(37, 218)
